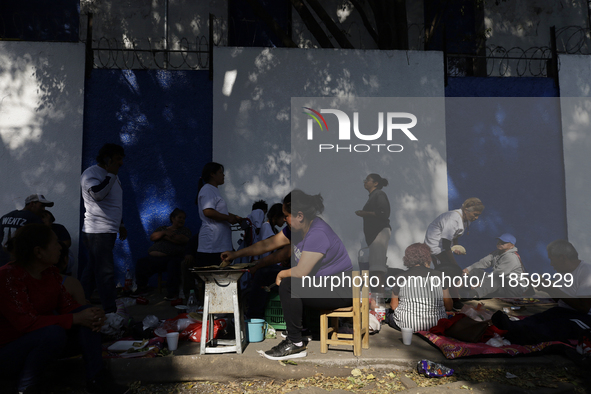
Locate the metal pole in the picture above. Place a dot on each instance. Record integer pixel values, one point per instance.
(165, 34)
(444, 56)
(211, 19)
(554, 60)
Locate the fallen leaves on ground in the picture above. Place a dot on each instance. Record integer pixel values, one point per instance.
(371, 381)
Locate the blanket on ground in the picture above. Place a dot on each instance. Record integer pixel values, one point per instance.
(452, 348)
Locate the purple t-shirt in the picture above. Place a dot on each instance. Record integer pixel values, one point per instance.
(322, 239)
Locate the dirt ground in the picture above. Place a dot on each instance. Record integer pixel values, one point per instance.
(373, 381)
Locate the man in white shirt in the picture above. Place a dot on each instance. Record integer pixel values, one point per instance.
(103, 202)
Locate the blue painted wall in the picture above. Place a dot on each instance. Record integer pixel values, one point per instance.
(163, 119)
(510, 156)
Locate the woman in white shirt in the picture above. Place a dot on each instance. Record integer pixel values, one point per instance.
(215, 235)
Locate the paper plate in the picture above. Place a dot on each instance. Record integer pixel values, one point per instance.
(124, 346)
(136, 354)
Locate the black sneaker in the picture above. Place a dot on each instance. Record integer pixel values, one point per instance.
(458, 305)
(286, 350)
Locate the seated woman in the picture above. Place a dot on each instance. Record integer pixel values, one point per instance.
(39, 318)
(165, 254)
(415, 303)
(317, 251)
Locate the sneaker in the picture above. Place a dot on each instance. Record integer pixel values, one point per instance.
(458, 305)
(139, 292)
(286, 350)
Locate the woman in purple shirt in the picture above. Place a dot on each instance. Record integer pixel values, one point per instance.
(317, 252)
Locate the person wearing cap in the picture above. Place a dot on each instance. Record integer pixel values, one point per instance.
(35, 205)
(103, 203)
(504, 261)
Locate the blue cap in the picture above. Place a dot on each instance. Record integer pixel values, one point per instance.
(508, 238)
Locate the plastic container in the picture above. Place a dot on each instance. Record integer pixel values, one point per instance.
(274, 312)
(192, 303)
(256, 329)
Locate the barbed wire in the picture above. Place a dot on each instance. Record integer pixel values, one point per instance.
(574, 40)
(134, 54)
(501, 62)
(176, 54)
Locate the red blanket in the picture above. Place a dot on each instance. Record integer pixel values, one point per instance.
(453, 348)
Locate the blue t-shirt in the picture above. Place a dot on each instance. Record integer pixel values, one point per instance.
(320, 238)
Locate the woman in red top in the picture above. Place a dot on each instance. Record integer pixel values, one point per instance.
(38, 317)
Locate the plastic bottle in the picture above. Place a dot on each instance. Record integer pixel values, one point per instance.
(192, 303)
(380, 308)
(128, 281)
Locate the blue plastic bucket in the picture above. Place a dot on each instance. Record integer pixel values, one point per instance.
(256, 329)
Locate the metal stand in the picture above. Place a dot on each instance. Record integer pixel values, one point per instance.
(221, 296)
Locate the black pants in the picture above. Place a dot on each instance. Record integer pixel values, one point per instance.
(553, 324)
(294, 297)
(150, 265)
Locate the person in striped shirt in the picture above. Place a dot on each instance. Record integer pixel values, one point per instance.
(419, 298)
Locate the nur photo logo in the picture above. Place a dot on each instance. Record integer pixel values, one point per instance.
(393, 128)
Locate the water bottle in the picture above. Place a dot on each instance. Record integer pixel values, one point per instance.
(128, 281)
(192, 303)
(380, 308)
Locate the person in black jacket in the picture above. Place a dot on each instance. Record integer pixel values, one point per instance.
(376, 226)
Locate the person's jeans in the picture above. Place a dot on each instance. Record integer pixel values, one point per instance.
(25, 358)
(99, 272)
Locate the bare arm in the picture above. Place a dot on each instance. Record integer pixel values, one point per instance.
(274, 258)
(264, 246)
(448, 302)
(394, 302)
(220, 217)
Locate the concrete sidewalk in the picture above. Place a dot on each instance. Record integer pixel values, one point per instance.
(386, 352)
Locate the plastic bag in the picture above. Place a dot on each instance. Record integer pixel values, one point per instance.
(193, 331)
(150, 321)
(114, 325)
(375, 325)
(498, 341)
(127, 301)
(270, 333)
(479, 313)
(433, 370)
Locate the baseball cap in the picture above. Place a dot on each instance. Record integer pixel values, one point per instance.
(40, 198)
(507, 238)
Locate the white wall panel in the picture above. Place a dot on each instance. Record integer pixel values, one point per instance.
(575, 101)
(41, 109)
(252, 95)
